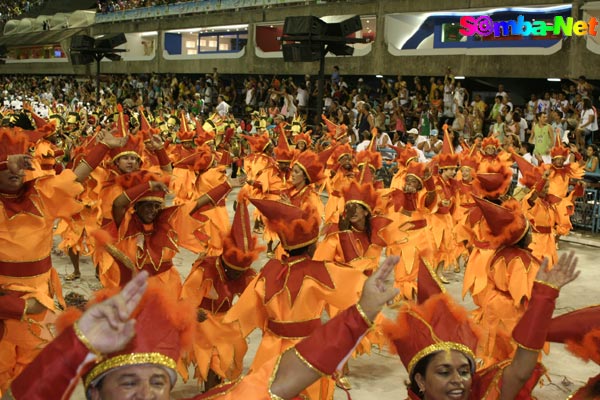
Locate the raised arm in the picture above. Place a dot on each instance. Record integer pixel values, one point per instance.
(530, 332)
(328, 346)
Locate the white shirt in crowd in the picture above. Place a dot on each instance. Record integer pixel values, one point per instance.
(223, 109)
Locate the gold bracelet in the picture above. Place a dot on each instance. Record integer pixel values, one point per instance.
(364, 315)
(548, 284)
(86, 341)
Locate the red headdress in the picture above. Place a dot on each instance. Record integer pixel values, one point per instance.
(258, 143)
(164, 330)
(310, 163)
(468, 158)
(146, 128)
(504, 225)
(121, 122)
(133, 146)
(493, 181)
(296, 227)
(439, 324)
(240, 248)
(282, 151)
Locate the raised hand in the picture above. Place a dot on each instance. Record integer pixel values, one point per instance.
(155, 143)
(562, 273)
(109, 139)
(159, 186)
(379, 288)
(107, 325)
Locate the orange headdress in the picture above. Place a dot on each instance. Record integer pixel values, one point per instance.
(490, 141)
(296, 227)
(370, 156)
(405, 155)
(363, 194)
(134, 146)
(341, 151)
(531, 174)
(417, 170)
(558, 150)
(201, 160)
(185, 134)
(439, 324)
(13, 141)
(493, 181)
(468, 158)
(282, 151)
(504, 225)
(309, 162)
(258, 143)
(334, 131)
(303, 137)
(447, 158)
(127, 181)
(202, 136)
(239, 246)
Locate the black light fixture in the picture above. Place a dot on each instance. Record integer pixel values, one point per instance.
(85, 49)
(309, 38)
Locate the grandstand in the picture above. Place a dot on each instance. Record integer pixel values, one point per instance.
(240, 36)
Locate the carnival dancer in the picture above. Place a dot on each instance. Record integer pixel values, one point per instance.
(287, 298)
(145, 236)
(437, 335)
(214, 281)
(29, 211)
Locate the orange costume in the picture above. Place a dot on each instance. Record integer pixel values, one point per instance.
(152, 247)
(212, 286)
(438, 324)
(511, 272)
(343, 172)
(161, 337)
(26, 228)
(409, 235)
(287, 298)
(490, 182)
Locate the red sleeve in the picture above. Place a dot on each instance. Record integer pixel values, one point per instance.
(52, 370)
(11, 307)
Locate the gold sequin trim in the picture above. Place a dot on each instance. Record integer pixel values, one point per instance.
(129, 359)
(548, 284)
(86, 342)
(364, 315)
(362, 203)
(441, 346)
(308, 364)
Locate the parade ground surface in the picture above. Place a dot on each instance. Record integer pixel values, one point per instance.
(381, 375)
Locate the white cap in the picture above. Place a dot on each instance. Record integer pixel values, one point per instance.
(360, 79)
(413, 131)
